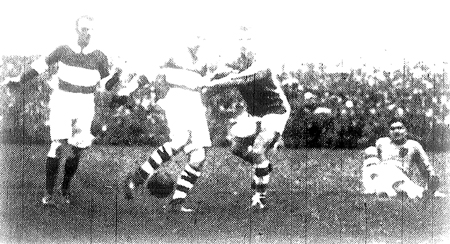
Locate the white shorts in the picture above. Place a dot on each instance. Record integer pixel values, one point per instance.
(385, 177)
(246, 125)
(71, 116)
(186, 118)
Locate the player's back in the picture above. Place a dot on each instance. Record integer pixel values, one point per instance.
(263, 94)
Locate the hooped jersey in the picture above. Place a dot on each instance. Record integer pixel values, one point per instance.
(76, 68)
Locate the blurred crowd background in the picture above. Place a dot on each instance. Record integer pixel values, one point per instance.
(332, 106)
(347, 66)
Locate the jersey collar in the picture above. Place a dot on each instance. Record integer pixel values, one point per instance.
(88, 49)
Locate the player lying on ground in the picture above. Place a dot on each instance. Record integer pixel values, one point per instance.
(81, 66)
(186, 119)
(387, 168)
(257, 130)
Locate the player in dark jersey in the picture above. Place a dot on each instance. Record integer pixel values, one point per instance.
(259, 128)
(80, 69)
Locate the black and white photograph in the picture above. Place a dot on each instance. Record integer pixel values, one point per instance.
(224, 121)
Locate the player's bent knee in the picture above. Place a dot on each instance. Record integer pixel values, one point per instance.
(263, 142)
(76, 152)
(242, 153)
(55, 150)
(197, 158)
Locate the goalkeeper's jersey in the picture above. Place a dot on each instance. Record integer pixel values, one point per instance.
(404, 155)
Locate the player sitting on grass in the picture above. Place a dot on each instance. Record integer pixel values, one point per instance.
(387, 167)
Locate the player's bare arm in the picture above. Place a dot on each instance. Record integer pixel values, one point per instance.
(184, 78)
(244, 77)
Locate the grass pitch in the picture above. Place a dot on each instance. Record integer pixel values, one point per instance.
(314, 197)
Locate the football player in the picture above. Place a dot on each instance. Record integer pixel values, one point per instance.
(186, 119)
(81, 66)
(397, 153)
(257, 130)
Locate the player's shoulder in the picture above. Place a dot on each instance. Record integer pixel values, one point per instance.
(383, 141)
(64, 48)
(413, 143)
(98, 54)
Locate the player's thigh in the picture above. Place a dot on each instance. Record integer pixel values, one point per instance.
(60, 117)
(274, 122)
(244, 126)
(197, 158)
(81, 126)
(272, 126)
(198, 126)
(178, 133)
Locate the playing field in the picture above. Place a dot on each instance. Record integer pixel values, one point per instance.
(314, 197)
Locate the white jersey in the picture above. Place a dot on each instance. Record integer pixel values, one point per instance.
(404, 155)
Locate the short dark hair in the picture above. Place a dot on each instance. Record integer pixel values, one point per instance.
(90, 18)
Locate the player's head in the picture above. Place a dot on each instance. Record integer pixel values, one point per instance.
(84, 28)
(397, 130)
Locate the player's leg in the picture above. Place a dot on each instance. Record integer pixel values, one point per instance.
(70, 168)
(80, 140)
(261, 167)
(199, 140)
(243, 134)
(52, 169)
(187, 179)
(60, 130)
(369, 171)
(272, 126)
(158, 157)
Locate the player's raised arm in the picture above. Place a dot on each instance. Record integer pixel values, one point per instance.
(244, 77)
(42, 64)
(184, 78)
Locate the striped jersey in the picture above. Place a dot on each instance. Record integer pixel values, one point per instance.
(405, 154)
(76, 69)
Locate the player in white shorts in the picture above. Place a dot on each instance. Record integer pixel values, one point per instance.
(388, 166)
(258, 129)
(80, 68)
(186, 119)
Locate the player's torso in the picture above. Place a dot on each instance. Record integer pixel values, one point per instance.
(263, 95)
(80, 69)
(401, 153)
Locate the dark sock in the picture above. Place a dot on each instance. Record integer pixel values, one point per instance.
(51, 173)
(70, 168)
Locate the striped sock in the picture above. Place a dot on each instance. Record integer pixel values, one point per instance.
(185, 182)
(148, 168)
(261, 177)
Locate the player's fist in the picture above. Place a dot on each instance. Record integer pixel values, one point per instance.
(118, 101)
